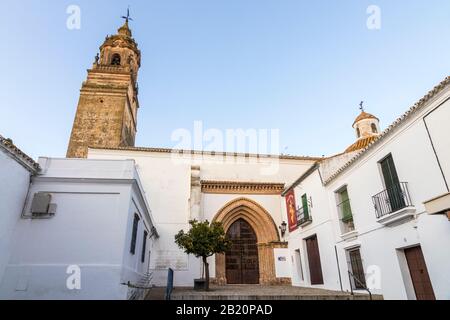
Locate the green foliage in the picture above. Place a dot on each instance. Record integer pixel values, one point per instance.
(203, 239)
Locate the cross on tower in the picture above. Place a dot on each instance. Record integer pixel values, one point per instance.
(127, 17)
(361, 106)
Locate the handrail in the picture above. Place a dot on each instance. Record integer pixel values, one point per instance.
(350, 276)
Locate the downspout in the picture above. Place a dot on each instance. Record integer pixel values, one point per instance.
(339, 269)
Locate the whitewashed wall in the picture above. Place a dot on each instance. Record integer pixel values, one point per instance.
(92, 228)
(322, 227)
(14, 184)
(167, 183)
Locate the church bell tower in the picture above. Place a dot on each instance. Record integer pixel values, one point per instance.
(107, 109)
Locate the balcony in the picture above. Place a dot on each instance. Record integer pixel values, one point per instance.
(393, 204)
(303, 217)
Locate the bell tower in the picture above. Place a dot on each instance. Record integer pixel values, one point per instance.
(107, 109)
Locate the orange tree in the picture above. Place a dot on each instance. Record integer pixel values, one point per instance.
(203, 240)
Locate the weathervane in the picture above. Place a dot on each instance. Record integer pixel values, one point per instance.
(361, 106)
(127, 18)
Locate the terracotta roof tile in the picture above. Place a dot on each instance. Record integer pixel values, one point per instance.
(361, 144)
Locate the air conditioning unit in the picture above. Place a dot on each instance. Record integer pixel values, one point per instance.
(42, 206)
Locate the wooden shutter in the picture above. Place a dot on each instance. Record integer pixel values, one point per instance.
(305, 205)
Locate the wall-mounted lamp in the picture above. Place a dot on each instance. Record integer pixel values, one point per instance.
(283, 228)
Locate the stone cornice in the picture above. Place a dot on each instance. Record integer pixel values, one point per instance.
(209, 153)
(232, 187)
(21, 157)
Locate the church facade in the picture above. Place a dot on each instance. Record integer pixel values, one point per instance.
(293, 220)
(230, 188)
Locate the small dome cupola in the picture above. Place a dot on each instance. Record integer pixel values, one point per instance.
(367, 129)
(366, 125)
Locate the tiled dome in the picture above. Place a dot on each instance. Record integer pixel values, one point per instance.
(364, 115)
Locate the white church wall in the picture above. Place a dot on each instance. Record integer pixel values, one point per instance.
(167, 183)
(90, 230)
(14, 184)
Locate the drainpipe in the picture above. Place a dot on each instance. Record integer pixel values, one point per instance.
(339, 269)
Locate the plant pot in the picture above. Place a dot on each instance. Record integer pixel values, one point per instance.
(199, 284)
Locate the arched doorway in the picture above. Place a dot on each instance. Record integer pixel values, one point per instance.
(241, 260)
(266, 233)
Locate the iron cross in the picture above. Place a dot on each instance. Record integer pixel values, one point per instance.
(361, 106)
(127, 18)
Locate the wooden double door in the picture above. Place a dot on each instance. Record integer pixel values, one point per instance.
(419, 274)
(242, 263)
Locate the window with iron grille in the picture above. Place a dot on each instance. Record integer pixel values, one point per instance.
(134, 234)
(356, 268)
(144, 244)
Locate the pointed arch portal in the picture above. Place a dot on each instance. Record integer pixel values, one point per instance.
(252, 229)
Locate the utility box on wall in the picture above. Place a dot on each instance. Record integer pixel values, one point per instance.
(41, 205)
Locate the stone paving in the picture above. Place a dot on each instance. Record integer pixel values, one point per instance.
(259, 292)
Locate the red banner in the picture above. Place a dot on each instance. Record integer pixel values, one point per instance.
(291, 210)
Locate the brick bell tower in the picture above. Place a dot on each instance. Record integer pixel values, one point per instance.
(107, 109)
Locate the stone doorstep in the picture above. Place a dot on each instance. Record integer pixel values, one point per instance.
(181, 297)
(255, 293)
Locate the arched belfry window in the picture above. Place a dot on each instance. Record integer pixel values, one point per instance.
(374, 128)
(115, 61)
(358, 132)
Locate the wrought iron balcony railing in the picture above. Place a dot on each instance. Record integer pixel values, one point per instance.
(303, 216)
(392, 199)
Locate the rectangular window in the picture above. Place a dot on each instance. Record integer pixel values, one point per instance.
(134, 234)
(144, 244)
(305, 205)
(357, 269)
(303, 214)
(345, 211)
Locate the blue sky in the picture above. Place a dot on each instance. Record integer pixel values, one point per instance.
(294, 65)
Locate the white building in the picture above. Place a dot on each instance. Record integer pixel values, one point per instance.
(381, 212)
(94, 236)
(16, 168)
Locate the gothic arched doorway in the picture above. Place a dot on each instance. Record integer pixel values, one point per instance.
(265, 230)
(242, 264)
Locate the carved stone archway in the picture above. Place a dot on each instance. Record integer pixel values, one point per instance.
(266, 233)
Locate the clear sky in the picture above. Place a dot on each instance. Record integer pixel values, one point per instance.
(294, 65)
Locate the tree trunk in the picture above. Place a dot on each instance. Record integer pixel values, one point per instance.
(206, 265)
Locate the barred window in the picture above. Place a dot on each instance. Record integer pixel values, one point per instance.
(134, 234)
